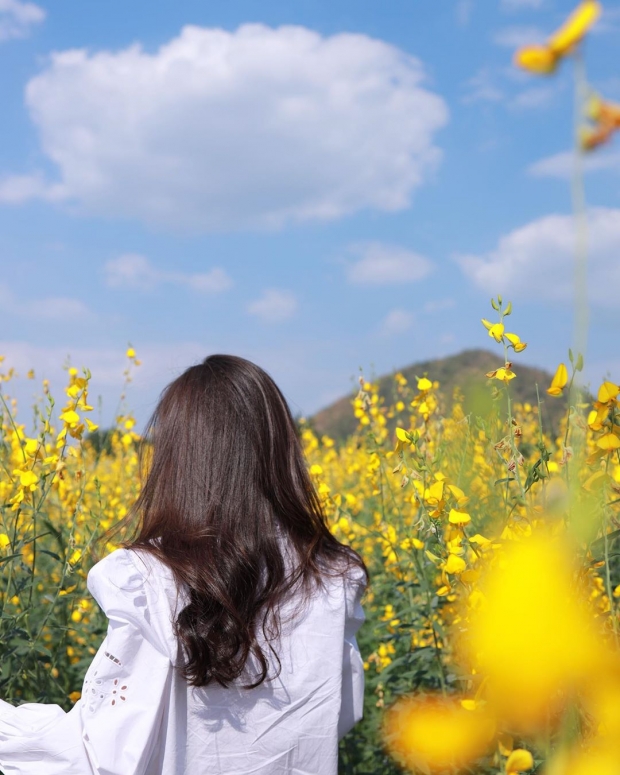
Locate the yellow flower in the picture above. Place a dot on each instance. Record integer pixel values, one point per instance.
(534, 639)
(131, 353)
(608, 392)
(31, 447)
(435, 733)
(434, 494)
(424, 384)
(537, 59)
(497, 331)
(609, 442)
(403, 436)
(606, 118)
(504, 374)
(516, 342)
(76, 556)
(27, 479)
(519, 761)
(454, 564)
(559, 381)
(4, 540)
(70, 417)
(458, 494)
(543, 60)
(572, 32)
(458, 517)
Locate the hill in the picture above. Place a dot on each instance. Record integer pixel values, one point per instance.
(466, 371)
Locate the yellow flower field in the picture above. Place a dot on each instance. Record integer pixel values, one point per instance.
(490, 543)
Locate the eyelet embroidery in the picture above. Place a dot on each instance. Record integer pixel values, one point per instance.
(104, 689)
(113, 658)
(122, 689)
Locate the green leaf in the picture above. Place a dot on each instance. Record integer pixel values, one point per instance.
(51, 554)
(9, 557)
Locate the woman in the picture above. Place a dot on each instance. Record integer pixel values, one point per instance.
(232, 613)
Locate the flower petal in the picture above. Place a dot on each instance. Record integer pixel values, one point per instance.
(539, 60)
(575, 28)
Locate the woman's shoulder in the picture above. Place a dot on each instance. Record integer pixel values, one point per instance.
(132, 584)
(131, 569)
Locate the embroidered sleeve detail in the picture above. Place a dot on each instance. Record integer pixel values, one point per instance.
(113, 658)
(109, 689)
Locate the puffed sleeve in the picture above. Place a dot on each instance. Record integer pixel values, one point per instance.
(352, 698)
(113, 729)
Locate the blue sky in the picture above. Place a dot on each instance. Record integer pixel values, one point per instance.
(317, 186)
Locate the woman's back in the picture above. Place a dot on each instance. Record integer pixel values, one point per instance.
(290, 724)
(232, 579)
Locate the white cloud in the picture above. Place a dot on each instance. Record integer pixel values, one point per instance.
(383, 264)
(16, 18)
(438, 305)
(253, 128)
(61, 308)
(519, 5)
(515, 37)
(397, 321)
(536, 261)
(464, 9)
(132, 270)
(274, 306)
(560, 165)
(482, 88)
(16, 189)
(531, 99)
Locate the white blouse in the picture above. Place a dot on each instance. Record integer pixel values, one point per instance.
(137, 716)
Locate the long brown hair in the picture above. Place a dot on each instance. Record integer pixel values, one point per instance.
(224, 480)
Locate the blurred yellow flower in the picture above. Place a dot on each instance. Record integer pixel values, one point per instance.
(519, 761)
(454, 564)
(435, 733)
(27, 479)
(537, 59)
(70, 417)
(606, 119)
(574, 29)
(534, 638)
(608, 442)
(544, 59)
(504, 373)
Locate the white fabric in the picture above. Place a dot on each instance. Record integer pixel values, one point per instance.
(137, 716)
